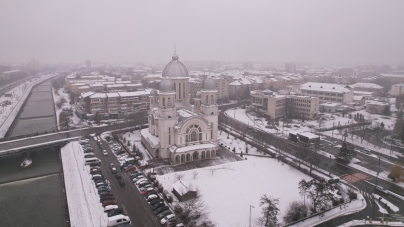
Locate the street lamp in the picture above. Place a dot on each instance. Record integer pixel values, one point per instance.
(250, 214)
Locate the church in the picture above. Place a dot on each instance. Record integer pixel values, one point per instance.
(178, 131)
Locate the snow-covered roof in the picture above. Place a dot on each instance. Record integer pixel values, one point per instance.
(115, 85)
(366, 85)
(363, 93)
(195, 147)
(357, 97)
(313, 86)
(134, 93)
(309, 135)
(84, 87)
(183, 114)
(154, 141)
(330, 104)
(392, 75)
(182, 187)
(86, 94)
(112, 94)
(98, 95)
(376, 103)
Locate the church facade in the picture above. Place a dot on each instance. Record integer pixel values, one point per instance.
(178, 131)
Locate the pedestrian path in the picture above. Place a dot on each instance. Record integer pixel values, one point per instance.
(369, 195)
(355, 177)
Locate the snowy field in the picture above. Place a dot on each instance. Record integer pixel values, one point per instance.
(18, 95)
(135, 138)
(82, 197)
(230, 191)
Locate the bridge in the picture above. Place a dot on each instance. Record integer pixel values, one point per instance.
(12, 145)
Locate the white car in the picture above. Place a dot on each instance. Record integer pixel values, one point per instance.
(105, 152)
(141, 181)
(167, 218)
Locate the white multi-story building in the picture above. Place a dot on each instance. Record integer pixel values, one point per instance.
(328, 92)
(276, 106)
(397, 89)
(178, 132)
(290, 67)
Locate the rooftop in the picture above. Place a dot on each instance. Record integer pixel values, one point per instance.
(366, 85)
(313, 86)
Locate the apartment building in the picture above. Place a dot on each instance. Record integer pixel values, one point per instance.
(239, 89)
(114, 103)
(328, 92)
(221, 82)
(397, 89)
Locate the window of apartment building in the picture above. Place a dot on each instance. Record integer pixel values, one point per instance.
(339, 95)
(315, 93)
(332, 99)
(332, 94)
(339, 100)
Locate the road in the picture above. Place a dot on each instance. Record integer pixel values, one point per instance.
(128, 197)
(336, 168)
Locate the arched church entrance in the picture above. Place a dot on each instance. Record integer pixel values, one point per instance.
(195, 155)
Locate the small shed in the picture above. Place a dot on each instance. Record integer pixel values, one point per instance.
(183, 190)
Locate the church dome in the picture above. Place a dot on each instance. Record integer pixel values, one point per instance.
(175, 68)
(154, 92)
(166, 85)
(209, 84)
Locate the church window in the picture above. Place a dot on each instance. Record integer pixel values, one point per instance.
(193, 133)
(168, 102)
(164, 102)
(207, 99)
(175, 91)
(183, 86)
(212, 100)
(179, 87)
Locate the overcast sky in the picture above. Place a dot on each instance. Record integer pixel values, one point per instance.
(340, 32)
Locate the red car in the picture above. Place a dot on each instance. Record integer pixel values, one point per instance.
(130, 169)
(147, 190)
(108, 202)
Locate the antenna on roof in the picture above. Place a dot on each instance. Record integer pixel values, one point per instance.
(175, 49)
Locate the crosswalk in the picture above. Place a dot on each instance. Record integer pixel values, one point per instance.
(369, 195)
(397, 217)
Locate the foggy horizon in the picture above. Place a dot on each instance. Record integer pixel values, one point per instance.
(343, 32)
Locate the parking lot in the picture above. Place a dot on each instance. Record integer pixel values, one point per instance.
(128, 197)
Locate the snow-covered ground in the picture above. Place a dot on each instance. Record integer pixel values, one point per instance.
(74, 120)
(366, 222)
(82, 197)
(234, 186)
(19, 95)
(392, 206)
(135, 138)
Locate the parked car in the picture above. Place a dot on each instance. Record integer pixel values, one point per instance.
(115, 212)
(160, 209)
(121, 183)
(104, 152)
(167, 218)
(109, 202)
(95, 164)
(110, 207)
(118, 220)
(150, 198)
(99, 172)
(141, 181)
(97, 175)
(144, 185)
(106, 194)
(163, 214)
(101, 184)
(118, 176)
(130, 169)
(172, 223)
(150, 193)
(147, 190)
(106, 198)
(155, 201)
(157, 205)
(89, 155)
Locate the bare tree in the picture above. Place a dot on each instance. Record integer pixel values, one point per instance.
(270, 211)
(195, 173)
(179, 176)
(191, 211)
